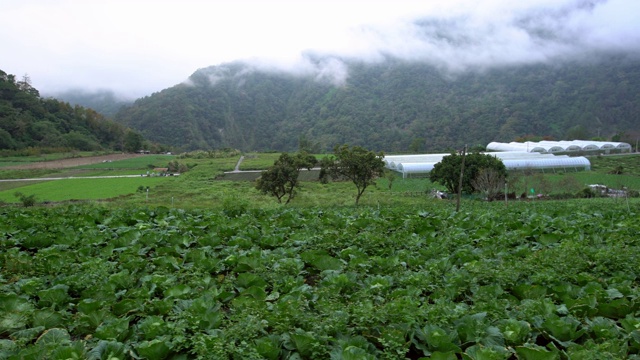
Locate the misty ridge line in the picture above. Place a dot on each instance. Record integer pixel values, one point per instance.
(455, 37)
(454, 45)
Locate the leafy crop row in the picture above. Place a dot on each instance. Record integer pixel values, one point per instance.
(547, 283)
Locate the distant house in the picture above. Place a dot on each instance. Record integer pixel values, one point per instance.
(144, 152)
(161, 171)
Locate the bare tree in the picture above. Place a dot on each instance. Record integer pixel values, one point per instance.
(542, 184)
(488, 182)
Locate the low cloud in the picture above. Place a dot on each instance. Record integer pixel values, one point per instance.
(145, 54)
(473, 40)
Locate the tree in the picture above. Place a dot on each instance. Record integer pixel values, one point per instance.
(417, 145)
(489, 182)
(281, 179)
(132, 141)
(577, 132)
(355, 163)
(447, 171)
(6, 141)
(25, 85)
(177, 167)
(306, 145)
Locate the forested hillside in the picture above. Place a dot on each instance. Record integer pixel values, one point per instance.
(30, 121)
(393, 106)
(105, 102)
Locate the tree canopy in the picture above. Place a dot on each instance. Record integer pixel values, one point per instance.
(281, 179)
(29, 121)
(447, 171)
(357, 164)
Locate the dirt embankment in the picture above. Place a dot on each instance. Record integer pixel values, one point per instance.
(71, 162)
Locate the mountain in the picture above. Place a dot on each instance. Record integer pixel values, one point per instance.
(30, 121)
(105, 102)
(392, 105)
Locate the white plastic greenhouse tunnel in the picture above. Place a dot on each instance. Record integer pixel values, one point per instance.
(563, 146)
(421, 165)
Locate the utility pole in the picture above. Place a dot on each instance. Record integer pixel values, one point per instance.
(464, 152)
(505, 193)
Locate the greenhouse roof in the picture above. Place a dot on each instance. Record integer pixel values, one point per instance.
(558, 146)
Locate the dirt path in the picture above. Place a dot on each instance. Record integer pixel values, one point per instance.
(72, 162)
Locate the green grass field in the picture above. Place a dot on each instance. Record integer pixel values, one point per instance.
(603, 164)
(258, 161)
(82, 189)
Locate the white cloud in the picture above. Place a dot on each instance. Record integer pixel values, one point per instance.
(140, 46)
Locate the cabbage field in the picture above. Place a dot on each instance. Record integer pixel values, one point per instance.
(545, 280)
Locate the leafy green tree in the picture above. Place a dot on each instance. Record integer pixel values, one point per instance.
(6, 141)
(281, 179)
(132, 141)
(577, 132)
(177, 167)
(29, 121)
(417, 145)
(307, 145)
(447, 171)
(357, 164)
(80, 141)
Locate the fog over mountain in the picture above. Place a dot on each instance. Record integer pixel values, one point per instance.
(137, 48)
(393, 105)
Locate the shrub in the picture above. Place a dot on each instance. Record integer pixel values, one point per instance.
(27, 200)
(633, 193)
(586, 193)
(234, 206)
(618, 170)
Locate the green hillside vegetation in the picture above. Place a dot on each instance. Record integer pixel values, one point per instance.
(32, 124)
(394, 106)
(104, 102)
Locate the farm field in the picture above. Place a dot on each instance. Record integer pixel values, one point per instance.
(63, 160)
(205, 185)
(30, 159)
(145, 162)
(81, 188)
(536, 280)
(206, 268)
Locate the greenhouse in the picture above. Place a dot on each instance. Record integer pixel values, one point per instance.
(563, 146)
(549, 164)
(393, 160)
(421, 165)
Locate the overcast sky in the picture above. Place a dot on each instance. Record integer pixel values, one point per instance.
(137, 47)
